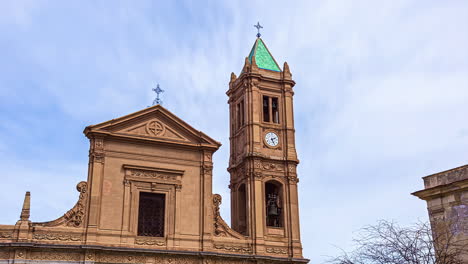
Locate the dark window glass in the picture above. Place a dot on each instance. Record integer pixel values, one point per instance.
(242, 206)
(240, 114)
(242, 111)
(274, 109)
(266, 109)
(151, 214)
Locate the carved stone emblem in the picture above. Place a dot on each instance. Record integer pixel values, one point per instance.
(149, 242)
(154, 128)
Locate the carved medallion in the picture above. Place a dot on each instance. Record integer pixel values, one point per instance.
(154, 128)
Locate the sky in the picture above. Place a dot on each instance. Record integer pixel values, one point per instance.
(380, 100)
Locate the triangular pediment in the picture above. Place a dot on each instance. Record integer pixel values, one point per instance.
(154, 123)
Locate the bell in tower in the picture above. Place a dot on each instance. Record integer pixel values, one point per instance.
(263, 160)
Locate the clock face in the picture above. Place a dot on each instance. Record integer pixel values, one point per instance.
(271, 139)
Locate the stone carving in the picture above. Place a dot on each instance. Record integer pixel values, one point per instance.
(293, 179)
(154, 128)
(151, 174)
(98, 157)
(6, 235)
(257, 164)
(55, 255)
(20, 254)
(149, 242)
(258, 175)
(57, 236)
(120, 258)
(97, 152)
(90, 256)
(272, 166)
(221, 229)
(75, 216)
(98, 144)
(207, 169)
(234, 248)
(281, 251)
(4, 254)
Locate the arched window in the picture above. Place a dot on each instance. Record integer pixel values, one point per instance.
(242, 209)
(274, 204)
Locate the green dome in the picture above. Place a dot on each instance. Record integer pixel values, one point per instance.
(263, 57)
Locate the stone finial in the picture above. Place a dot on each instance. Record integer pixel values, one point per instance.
(246, 65)
(254, 63)
(286, 68)
(25, 212)
(233, 77)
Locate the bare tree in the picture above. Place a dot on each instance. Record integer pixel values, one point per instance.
(388, 243)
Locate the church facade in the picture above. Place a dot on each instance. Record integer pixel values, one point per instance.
(148, 195)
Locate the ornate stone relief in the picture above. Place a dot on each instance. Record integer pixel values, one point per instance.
(234, 248)
(270, 166)
(120, 258)
(259, 175)
(149, 241)
(57, 236)
(97, 150)
(55, 255)
(151, 174)
(6, 235)
(154, 128)
(4, 254)
(207, 169)
(75, 216)
(292, 168)
(221, 229)
(273, 250)
(293, 179)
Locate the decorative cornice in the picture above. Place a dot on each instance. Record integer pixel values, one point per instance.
(442, 190)
(96, 252)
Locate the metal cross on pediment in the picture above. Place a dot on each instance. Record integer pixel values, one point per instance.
(258, 26)
(158, 91)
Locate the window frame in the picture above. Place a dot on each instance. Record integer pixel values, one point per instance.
(164, 213)
(270, 108)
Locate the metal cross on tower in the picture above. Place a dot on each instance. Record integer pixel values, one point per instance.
(258, 26)
(158, 91)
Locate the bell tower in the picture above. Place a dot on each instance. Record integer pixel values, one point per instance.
(263, 160)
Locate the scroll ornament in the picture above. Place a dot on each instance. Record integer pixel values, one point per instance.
(75, 216)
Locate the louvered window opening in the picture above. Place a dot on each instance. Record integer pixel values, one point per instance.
(151, 214)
